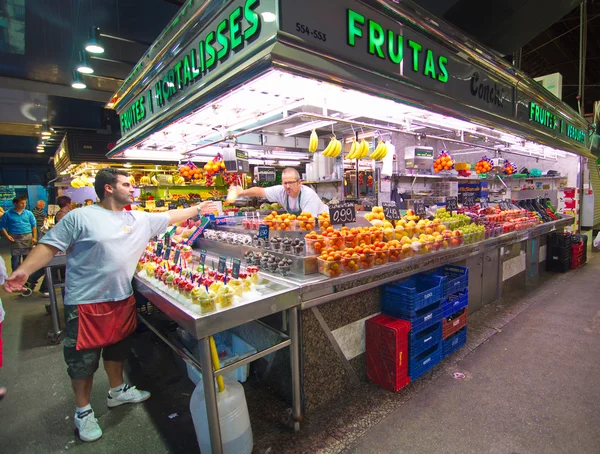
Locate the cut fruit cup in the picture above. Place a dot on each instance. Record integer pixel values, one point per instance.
(376, 235)
(350, 264)
(324, 223)
(314, 246)
(395, 254)
(363, 238)
(350, 240)
(381, 257)
(336, 243)
(367, 261)
(329, 268)
(285, 226)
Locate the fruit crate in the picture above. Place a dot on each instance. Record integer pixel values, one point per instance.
(420, 341)
(456, 278)
(420, 319)
(454, 342)
(387, 351)
(560, 253)
(558, 266)
(575, 239)
(413, 294)
(559, 239)
(455, 303)
(424, 362)
(455, 322)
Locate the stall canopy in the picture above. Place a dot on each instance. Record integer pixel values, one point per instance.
(261, 71)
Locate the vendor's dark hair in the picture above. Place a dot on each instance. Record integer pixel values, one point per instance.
(63, 201)
(107, 176)
(19, 198)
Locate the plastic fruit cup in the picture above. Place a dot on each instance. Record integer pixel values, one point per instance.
(376, 236)
(426, 248)
(350, 240)
(363, 238)
(324, 223)
(367, 261)
(381, 257)
(350, 265)
(286, 226)
(336, 243)
(305, 226)
(313, 247)
(395, 255)
(329, 268)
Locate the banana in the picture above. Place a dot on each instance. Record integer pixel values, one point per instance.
(380, 152)
(353, 149)
(364, 149)
(330, 147)
(313, 142)
(132, 180)
(338, 149)
(154, 181)
(383, 153)
(376, 151)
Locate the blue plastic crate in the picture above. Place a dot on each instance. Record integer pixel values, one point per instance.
(456, 279)
(413, 294)
(420, 319)
(455, 303)
(420, 341)
(425, 361)
(454, 342)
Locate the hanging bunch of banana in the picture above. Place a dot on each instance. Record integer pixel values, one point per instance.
(358, 150)
(313, 142)
(380, 151)
(333, 149)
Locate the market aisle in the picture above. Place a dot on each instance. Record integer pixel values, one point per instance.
(531, 388)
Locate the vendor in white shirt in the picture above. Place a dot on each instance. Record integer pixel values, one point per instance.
(291, 195)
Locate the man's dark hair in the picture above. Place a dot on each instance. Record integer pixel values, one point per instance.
(63, 201)
(18, 199)
(107, 176)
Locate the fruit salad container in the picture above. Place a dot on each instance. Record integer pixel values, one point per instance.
(350, 264)
(285, 225)
(395, 255)
(376, 235)
(407, 251)
(314, 246)
(381, 257)
(329, 268)
(451, 224)
(363, 238)
(425, 248)
(324, 223)
(350, 240)
(367, 261)
(337, 243)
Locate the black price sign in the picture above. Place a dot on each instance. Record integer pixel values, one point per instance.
(159, 203)
(468, 199)
(235, 269)
(202, 256)
(390, 211)
(342, 213)
(159, 249)
(172, 206)
(168, 252)
(196, 201)
(452, 203)
(419, 207)
(182, 201)
(176, 257)
(483, 202)
(222, 264)
(263, 232)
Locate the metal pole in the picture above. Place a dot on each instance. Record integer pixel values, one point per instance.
(582, 54)
(210, 396)
(53, 302)
(295, 366)
(517, 57)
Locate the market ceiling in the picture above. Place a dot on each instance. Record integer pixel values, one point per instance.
(43, 47)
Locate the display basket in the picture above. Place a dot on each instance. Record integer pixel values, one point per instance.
(455, 303)
(386, 340)
(415, 293)
(455, 322)
(420, 341)
(424, 362)
(420, 319)
(454, 342)
(456, 278)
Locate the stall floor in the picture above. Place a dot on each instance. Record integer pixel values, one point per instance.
(531, 379)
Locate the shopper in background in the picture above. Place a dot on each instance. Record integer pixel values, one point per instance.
(64, 203)
(103, 244)
(88, 202)
(2, 279)
(19, 227)
(40, 217)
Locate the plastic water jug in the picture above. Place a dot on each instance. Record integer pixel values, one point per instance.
(236, 433)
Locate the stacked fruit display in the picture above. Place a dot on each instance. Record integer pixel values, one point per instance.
(375, 217)
(443, 162)
(190, 172)
(484, 165)
(509, 167)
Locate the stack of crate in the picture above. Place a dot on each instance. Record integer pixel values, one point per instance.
(558, 258)
(418, 300)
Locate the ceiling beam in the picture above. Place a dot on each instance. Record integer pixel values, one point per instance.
(54, 89)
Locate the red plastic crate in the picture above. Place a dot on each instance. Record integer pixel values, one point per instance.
(576, 262)
(577, 249)
(452, 324)
(387, 351)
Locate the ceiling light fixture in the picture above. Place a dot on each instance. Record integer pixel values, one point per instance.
(93, 45)
(83, 66)
(46, 130)
(77, 82)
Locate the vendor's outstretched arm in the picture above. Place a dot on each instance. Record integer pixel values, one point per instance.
(252, 192)
(39, 257)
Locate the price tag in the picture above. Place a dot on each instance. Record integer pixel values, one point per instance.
(222, 264)
(452, 203)
(168, 252)
(390, 211)
(263, 232)
(342, 213)
(160, 203)
(468, 199)
(483, 202)
(176, 257)
(182, 201)
(202, 256)
(419, 207)
(172, 206)
(235, 269)
(159, 249)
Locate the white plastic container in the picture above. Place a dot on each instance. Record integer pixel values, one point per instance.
(236, 433)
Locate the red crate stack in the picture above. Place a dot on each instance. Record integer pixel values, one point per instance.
(455, 322)
(577, 255)
(387, 351)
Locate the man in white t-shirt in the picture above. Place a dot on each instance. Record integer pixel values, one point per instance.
(291, 195)
(103, 244)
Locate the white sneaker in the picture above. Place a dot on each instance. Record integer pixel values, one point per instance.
(128, 395)
(87, 426)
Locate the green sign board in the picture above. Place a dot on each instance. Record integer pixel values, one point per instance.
(234, 30)
(547, 119)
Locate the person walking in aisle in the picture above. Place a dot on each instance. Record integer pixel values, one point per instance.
(64, 202)
(103, 243)
(40, 217)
